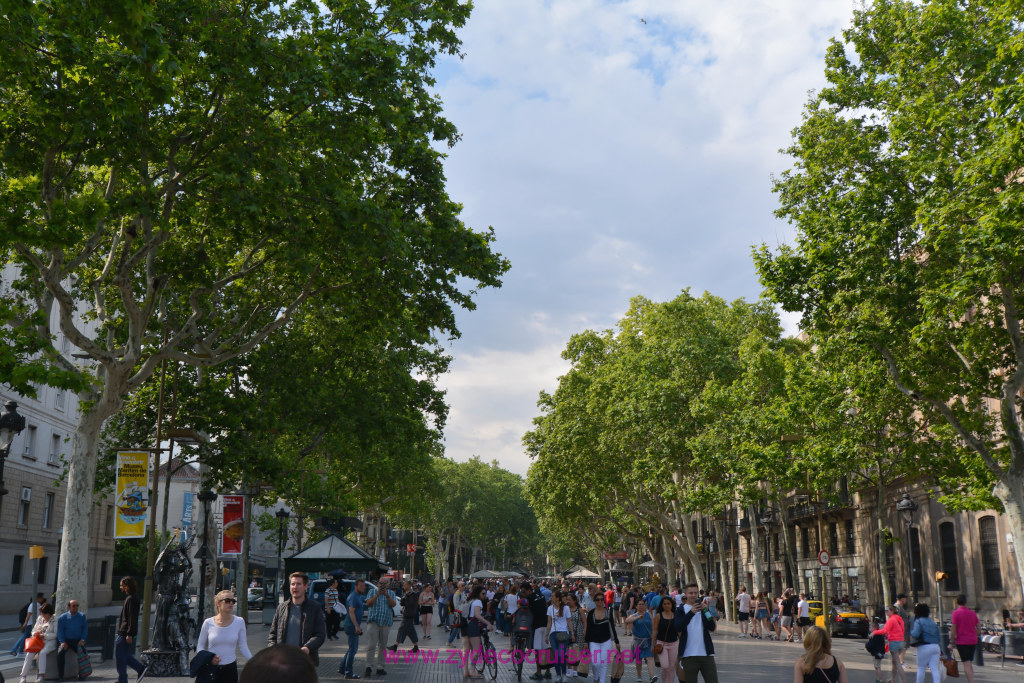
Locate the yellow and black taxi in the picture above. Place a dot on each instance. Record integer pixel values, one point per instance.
(815, 608)
(844, 620)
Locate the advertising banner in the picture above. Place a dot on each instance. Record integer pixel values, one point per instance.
(186, 509)
(131, 494)
(232, 525)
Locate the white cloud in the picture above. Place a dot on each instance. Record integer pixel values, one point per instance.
(613, 158)
(493, 398)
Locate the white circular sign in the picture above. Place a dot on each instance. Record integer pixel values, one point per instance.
(824, 558)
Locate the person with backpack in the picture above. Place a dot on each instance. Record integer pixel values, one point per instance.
(27, 618)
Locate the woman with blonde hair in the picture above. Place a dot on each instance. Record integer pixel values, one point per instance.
(223, 634)
(818, 665)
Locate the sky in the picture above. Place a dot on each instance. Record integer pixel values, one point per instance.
(617, 149)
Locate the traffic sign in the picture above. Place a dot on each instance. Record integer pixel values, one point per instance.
(824, 558)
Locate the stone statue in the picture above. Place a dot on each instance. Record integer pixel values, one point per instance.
(173, 623)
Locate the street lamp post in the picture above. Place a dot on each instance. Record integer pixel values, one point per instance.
(708, 537)
(766, 519)
(907, 506)
(282, 517)
(206, 497)
(11, 424)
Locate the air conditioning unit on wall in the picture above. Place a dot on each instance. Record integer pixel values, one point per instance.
(26, 494)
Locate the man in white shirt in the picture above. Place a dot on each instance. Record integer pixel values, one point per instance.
(743, 600)
(804, 616)
(696, 651)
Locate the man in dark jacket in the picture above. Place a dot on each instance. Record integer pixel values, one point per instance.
(300, 621)
(696, 651)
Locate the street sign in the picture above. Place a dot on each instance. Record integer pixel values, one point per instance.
(617, 555)
(410, 548)
(824, 558)
(35, 552)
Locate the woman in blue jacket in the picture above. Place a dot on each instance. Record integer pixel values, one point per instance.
(926, 632)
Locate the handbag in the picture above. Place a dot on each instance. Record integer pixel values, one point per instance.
(659, 648)
(84, 663)
(618, 668)
(34, 644)
(952, 668)
(583, 668)
(562, 637)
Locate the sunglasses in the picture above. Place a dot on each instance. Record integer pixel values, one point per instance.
(229, 600)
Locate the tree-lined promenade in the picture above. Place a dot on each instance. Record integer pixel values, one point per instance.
(906, 194)
(236, 217)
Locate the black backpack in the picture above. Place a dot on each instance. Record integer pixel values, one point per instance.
(23, 614)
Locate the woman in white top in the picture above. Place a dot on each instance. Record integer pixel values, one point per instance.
(223, 634)
(558, 632)
(45, 628)
(477, 622)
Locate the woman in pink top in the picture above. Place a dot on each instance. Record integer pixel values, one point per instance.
(894, 633)
(964, 634)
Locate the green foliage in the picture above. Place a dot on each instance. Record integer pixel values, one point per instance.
(625, 417)
(907, 195)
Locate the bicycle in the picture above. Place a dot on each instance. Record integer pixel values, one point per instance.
(519, 650)
(489, 660)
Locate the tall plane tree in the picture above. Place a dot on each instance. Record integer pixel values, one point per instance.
(183, 176)
(908, 197)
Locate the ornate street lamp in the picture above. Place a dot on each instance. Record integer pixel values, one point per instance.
(11, 424)
(708, 537)
(206, 497)
(282, 519)
(907, 506)
(765, 518)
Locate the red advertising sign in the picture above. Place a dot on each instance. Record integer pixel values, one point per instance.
(618, 555)
(232, 525)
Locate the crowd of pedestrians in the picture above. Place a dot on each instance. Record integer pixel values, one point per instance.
(671, 631)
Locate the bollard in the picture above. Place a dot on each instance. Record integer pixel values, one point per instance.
(979, 658)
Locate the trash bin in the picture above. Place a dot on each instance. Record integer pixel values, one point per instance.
(109, 633)
(100, 641)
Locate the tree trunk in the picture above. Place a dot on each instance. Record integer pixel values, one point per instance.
(788, 546)
(73, 573)
(1010, 492)
(668, 561)
(880, 528)
(727, 571)
(755, 550)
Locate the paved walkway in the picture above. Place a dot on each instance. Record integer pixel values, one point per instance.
(738, 660)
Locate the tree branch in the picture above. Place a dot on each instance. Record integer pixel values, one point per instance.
(976, 444)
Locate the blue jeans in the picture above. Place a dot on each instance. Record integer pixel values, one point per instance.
(348, 663)
(558, 650)
(456, 632)
(124, 657)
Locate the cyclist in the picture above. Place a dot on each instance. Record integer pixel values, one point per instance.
(477, 621)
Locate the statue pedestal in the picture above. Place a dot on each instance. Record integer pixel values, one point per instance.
(165, 663)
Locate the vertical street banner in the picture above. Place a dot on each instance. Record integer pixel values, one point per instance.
(232, 525)
(131, 494)
(186, 509)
